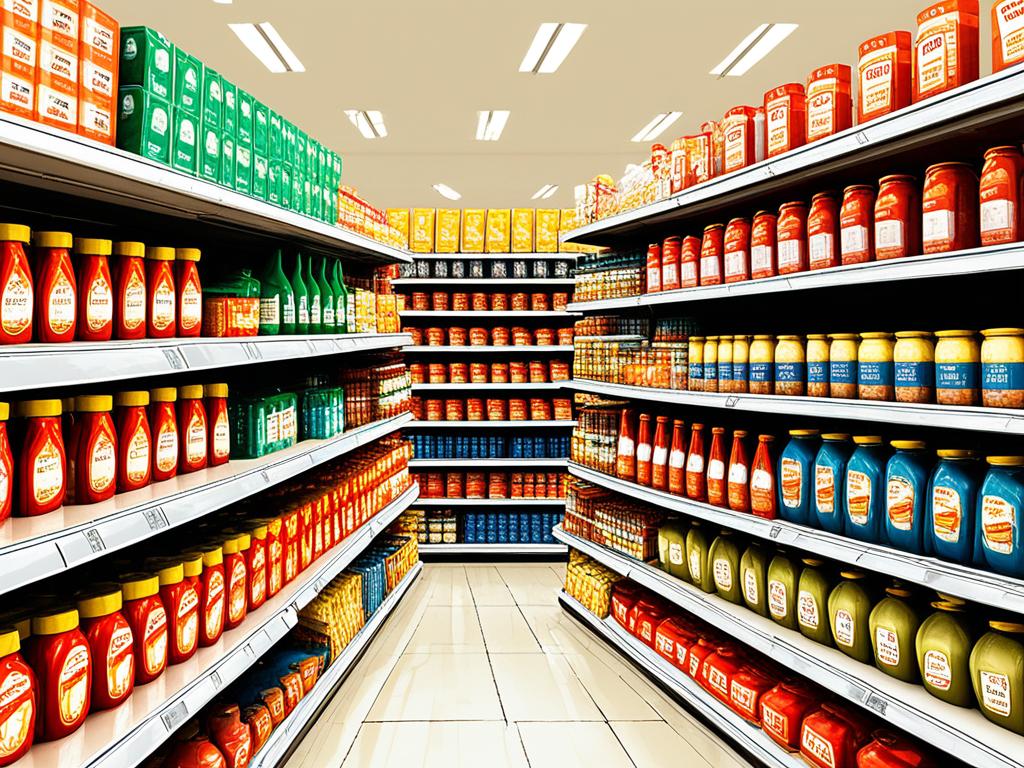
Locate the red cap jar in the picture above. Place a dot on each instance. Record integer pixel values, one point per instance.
(949, 205)
(16, 288)
(18, 692)
(884, 75)
(762, 245)
(791, 238)
(1000, 191)
(147, 617)
(856, 228)
(897, 218)
(711, 249)
(785, 110)
(95, 290)
(822, 226)
(59, 655)
(737, 251)
(110, 644)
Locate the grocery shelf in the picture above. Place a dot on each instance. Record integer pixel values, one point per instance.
(493, 549)
(32, 548)
(492, 256)
(41, 157)
(929, 123)
(33, 366)
(736, 730)
(1005, 420)
(949, 578)
(491, 503)
(992, 258)
(953, 730)
(520, 349)
(298, 723)
(427, 314)
(488, 424)
(482, 282)
(560, 463)
(125, 736)
(491, 385)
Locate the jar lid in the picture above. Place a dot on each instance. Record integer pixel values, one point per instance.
(213, 554)
(842, 336)
(170, 573)
(813, 562)
(130, 248)
(897, 177)
(92, 246)
(10, 640)
(132, 398)
(835, 437)
(696, 338)
(53, 240)
(259, 531)
(37, 408)
(956, 453)
(764, 213)
(216, 390)
(57, 621)
(898, 592)
(187, 254)
(988, 332)
(712, 338)
(163, 395)
(942, 605)
(828, 194)
(724, 339)
(136, 586)
(766, 438)
(876, 335)
(817, 336)
(93, 403)
(803, 432)
(737, 432)
(852, 574)
(858, 187)
(1005, 461)
(192, 562)
(908, 445)
(191, 392)
(244, 541)
(788, 337)
(17, 233)
(714, 226)
(913, 335)
(867, 439)
(951, 599)
(718, 430)
(953, 334)
(741, 337)
(1006, 626)
(5, 411)
(793, 204)
(1006, 149)
(104, 600)
(158, 253)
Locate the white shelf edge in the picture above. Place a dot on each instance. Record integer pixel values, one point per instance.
(909, 707)
(560, 463)
(491, 503)
(132, 517)
(505, 350)
(492, 385)
(493, 549)
(488, 424)
(483, 282)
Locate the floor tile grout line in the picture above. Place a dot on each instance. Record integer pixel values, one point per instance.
(490, 662)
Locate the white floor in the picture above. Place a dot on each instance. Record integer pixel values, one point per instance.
(480, 666)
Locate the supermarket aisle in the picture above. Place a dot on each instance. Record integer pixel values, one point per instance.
(479, 666)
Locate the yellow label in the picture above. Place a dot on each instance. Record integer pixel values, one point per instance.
(474, 225)
(61, 304)
(447, 237)
(546, 237)
(499, 230)
(99, 304)
(421, 236)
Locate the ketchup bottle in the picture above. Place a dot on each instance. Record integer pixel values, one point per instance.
(763, 502)
(192, 429)
(41, 479)
(130, 297)
(625, 458)
(653, 268)
(148, 619)
(95, 290)
(16, 290)
(56, 296)
(194, 750)
(716, 469)
(231, 735)
(643, 451)
(696, 488)
(235, 572)
(218, 439)
(190, 291)
(92, 460)
(59, 655)
(256, 565)
(677, 459)
(181, 601)
(276, 536)
(110, 643)
(211, 596)
(20, 693)
(161, 301)
(134, 441)
(659, 462)
(739, 474)
(6, 466)
(164, 426)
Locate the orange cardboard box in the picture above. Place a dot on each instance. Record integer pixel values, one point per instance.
(59, 22)
(421, 235)
(546, 238)
(57, 72)
(446, 239)
(499, 230)
(474, 226)
(22, 15)
(398, 218)
(19, 56)
(522, 230)
(98, 53)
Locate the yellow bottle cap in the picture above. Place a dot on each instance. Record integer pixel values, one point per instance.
(17, 233)
(789, 337)
(159, 253)
(191, 392)
(898, 592)
(259, 532)
(835, 436)
(213, 554)
(817, 336)
(711, 338)
(956, 453)
(876, 335)
(192, 562)
(735, 433)
(102, 601)
(231, 545)
(92, 246)
(130, 248)
(842, 336)
(989, 332)
(55, 621)
(953, 334)
(93, 403)
(813, 562)
(763, 337)
(10, 640)
(244, 541)
(1005, 461)
(908, 445)
(38, 408)
(1006, 626)
(136, 586)
(171, 572)
(216, 390)
(187, 254)
(163, 395)
(946, 607)
(951, 599)
(53, 240)
(803, 433)
(131, 398)
(867, 439)
(5, 411)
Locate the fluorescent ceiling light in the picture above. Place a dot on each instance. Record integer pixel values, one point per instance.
(222, 2)
(657, 126)
(445, 191)
(550, 46)
(545, 192)
(266, 45)
(754, 47)
(490, 123)
(370, 122)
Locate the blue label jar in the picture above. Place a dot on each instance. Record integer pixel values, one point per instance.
(865, 491)
(829, 505)
(796, 476)
(842, 371)
(950, 515)
(906, 483)
(1000, 503)
(760, 372)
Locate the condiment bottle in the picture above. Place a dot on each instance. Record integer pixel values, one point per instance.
(277, 300)
(301, 298)
(327, 300)
(190, 291)
(763, 494)
(95, 320)
(625, 457)
(653, 268)
(739, 474)
(849, 611)
(997, 674)
(161, 301)
(134, 441)
(110, 644)
(894, 624)
(865, 490)
(164, 426)
(998, 538)
(92, 458)
(341, 298)
(716, 490)
(20, 692)
(41, 479)
(677, 459)
(696, 480)
(697, 551)
(672, 548)
(212, 598)
(218, 439)
(830, 481)
(856, 225)
(6, 466)
(813, 590)
(944, 644)
(796, 470)
(711, 250)
(181, 602)
(782, 590)
(689, 262)
(231, 735)
(236, 591)
(897, 218)
(130, 297)
(192, 422)
(256, 566)
(724, 556)
(56, 294)
(906, 483)
(314, 297)
(147, 617)
(671, 252)
(276, 539)
(644, 450)
(16, 288)
(822, 231)
(59, 655)
(754, 578)
(659, 460)
(951, 505)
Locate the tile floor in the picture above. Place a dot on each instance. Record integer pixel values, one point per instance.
(480, 666)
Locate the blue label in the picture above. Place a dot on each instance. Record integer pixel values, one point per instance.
(843, 371)
(760, 371)
(1002, 375)
(956, 375)
(875, 374)
(787, 372)
(817, 373)
(739, 372)
(696, 371)
(915, 374)
(725, 371)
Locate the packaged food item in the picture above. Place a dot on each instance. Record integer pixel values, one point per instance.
(398, 219)
(783, 710)
(711, 364)
(875, 367)
(231, 735)
(950, 505)
(17, 681)
(856, 228)
(57, 74)
(6, 466)
(897, 222)
(741, 363)
(19, 58)
(885, 75)
(813, 589)
(822, 231)
(865, 489)
(832, 736)
(753, 578)
(236, 577)
(944, 643)
(1007, 34)
(699, 159)
(1000, 191)
(817, 365)
(161, 302)
(474, 227)
(724, 557)
(957, 368)
(738, 486)
(1002, 368)
(55, 289)
(739, 134)
(762, 245)
(782, 590)
(110, 645)
(193, 750)
(711, 253)
(59, 656)
(147, 617)
(522, 230)
(762, 365)
(95, 321)
(998, 538)
(644, 449)
(785, 109)
(181, 604)
(42, 467)
(842, 366)
(725, 380)
(192, 422)
(16, 287)
(737, 251)
(894, 624)
(625, 460)
(887, 749)
(791, 238)
(698, 562)
(257, 717)
(499, 230)
(849, 610)
(906, 480)
(946, 47)
(829, 480)
(677, 459)
(790, 366)
(914, 367)
(164, 426)
(212, 598)
(763, 490)
(448, 223)
(92, 454)
(949, 206)
(653, 268)
(696, 476)
(546, 230)
(421, 234)
(997, 674)
(829, 103)
(715, 481)
(689, 262)
(797, 475)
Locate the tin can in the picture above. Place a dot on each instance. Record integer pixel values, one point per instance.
(856, 229)
(478, 337)
(565, 336)
(711, 250)
(479, 302)
(949, 205)
(517, 410)
(478, 373)
(458, 373)
(559, 301)
(434, 409)
(520, 302)
(500, 336)
(1001, 191)
(517, 372)
(762, 245)
(538, 372)
(417, 373)
(791, 238)
(822, 226)
(420, 301)
(454, 410)
(497, 410)
(737, 250)
(540, 302)
(499, 373)
(521, 337)
(457, 336)
(437, 373)
(897, 218)
(474, 409)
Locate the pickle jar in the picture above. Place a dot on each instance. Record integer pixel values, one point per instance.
(849, 611)
(740, 364)
(711, 364)
(1002, 368)
(817, 365)
(875, 376)
(914, 367)
(957, 368)
(790, 366)
(695, 364)
(762, 365)
(842, 365)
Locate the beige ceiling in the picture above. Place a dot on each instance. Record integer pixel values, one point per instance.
(429, 65)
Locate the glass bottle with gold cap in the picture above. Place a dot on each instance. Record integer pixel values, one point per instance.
(849, 611)
(813, 590)
(906, 484)
(998, 541)
(997, 674)
(894, 624)
(950, 507)
(944, 652)
(865, 490)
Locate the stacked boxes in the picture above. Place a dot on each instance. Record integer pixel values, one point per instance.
(478, 230)
(19, 56)
(57, 71)
(98, 53)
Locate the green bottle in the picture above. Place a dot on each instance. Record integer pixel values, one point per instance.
(326, 299)
(782, 584)
(697, 558)
(894, 624)
(275, 296)
(314, 298)
(754, 575)
(849, 609)
(301, 297)
(725, 567)
(944, 642)
(813, 589)
(340, 298)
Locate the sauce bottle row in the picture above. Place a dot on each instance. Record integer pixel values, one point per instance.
(444, 301)
(513, 372)
(492, 409)
(498, 336)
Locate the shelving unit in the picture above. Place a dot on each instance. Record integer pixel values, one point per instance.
(516, 350)
(493, 549)
(488, 463)
(498, 504)
(532, 386)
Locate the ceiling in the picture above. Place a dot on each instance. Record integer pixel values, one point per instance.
(429, 65)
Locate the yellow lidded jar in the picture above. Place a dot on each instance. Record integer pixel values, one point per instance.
(1002, 368)
(842, 365)
(875, 372)
(790, 366)
(914, 367)
(762, 365)
(817, 365)
(725, 364)
(711, 364)
(957, 368)
(695, 364)
(740, 363)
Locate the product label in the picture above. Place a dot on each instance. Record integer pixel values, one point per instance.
(73, 684)
(858, 497)
(716, 469)
(875, 374)
(947, 514)
(995, 693)
(915, 374)
(1009, 16)
(792, 482)
(187, 634)
(998, 523)
(725, 371)
(777, 119)
(102, 463)
(5, 482)
(723, 575)
(938, 228)
(761, 258)
(696, 371)
(167, 447)
(817, 372)
(876, 81)
(665, 645)
(889, 235)
(137, 457)
(195, 439)
(821, 248)
(288, 312)
(676, 459)
(154, 641)
(214, 608)
(937, 671)
(899, 503)
(957, 375)
(236, 591)
(790, 372)
(258, 582)
(47, 473)
(717, 680)
(735, 263)
(99, 308)
(774, 722)
(790, 254)
(221, 436)
(738, 474)
(689, 273)
(675, 553)
(660, 458)
(191, 306)
(740, 372)
(162, 310)
(760, 372)
(314, 310)
(1002, 376)
(932, 56)
(643, 453)
(818, 746)
(778, 604)
(807, 610)
(16, 302)
(60, 304)
(887, 647)
(843, 627)
(695, 464)
(825, 489)
(997, 217)
(17, 705)
(750, 591)
(842, 371)
(133, 308)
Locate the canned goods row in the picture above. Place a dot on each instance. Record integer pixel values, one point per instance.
(509, 528)
(444, 301)
(499, 336)
(492, 485)
(428, 446)
(496, 269)
(492, 409)
(514, 372)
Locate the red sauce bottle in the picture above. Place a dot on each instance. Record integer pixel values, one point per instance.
(181, 602)
(59, 655)
(659, 460)
(763, 490)
(148, 619)
(56, 295)
(195, 751)
(689, 262)
(130, 298)
(236, 574)
(677, 459)
(212, 599)
(231, 735)
(190, 291)
(110, 644)
(891, 750)
(644, 450)
(92, 459)
(671, 251)
(737, 250)
(6, 466)
(716, 469)
(257, 717)
(164, 426)
(192, 425)
(897, 218)
(739, 474)
(256, 565)
(653, 268)
(16, 288)
(218, 439)
(134, 441)
(696, 486)
(791, 238)
(18, 695)
(625, 458)
(711, 249)
(161, 297)
(275, 556)
(856, 224)
(832, 736)
(1001, 191)
(95, 290)
(822, 231)
(41, 480)
(783, 710)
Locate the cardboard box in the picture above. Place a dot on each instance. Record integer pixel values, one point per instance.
(59, 23)
(188, 83)
(243, 131)
(421, 233)
(97, 120)
(260, 128)
(275, 136)
(546, 230)
(57, 81)
(446, 237)
(19, 58)
(260, 170)
(22, 15)
(299, 158)
(97, 75)
(298, 193)
(243, 169)
(212, 95)
(209, 153)
(474, 227)
(184, 141)
(144, 124)
(398, 218)
(274, 182)
(229, 109)
(146, 61)
(227, 159)
(54, 106)
(286, 185)
(522, 230)
(499, 230)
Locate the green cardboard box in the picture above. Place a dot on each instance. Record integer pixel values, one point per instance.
(316, 200)
(298, 197)
(213, 99)
(286, 185)
(306, 191)
(184, 150)
(313, 151)
(274, 182)
(328, 207)
(229, 119)
(243, 134)
(188, 82)
(243, 169)
(337, 169)
(259, 175)
(146, 61)
(290, 139)
(144, 124)
(275, 137)
(323, 174)
(209, 153)
(227, 160)
(299, 163)
(260, 128)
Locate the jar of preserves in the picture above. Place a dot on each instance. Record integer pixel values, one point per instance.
(957, 368)
(943, 654)
(999, 190)
(894, 624)
(671, 252)
(856, 225)
(16, 288)
(914, 367)
(897, 218)
(711, 364)
(949, 205)
(790, 366)
(737, 250)
(711, 250)
(653, 268)
(785, 110)
(906, 483)
(829, 102)
(762, 245)
(951, 501)
(695, 364)
(1002, 368)
(998, 540)
(822, 230)
(875, 371)
(997, 674)
(740, 364)
(817, 365)
(762, 365)
(689, 262)
(791, 238)
(725, 378)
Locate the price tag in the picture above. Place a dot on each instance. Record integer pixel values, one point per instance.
(215, 677)
(775, 531)
(175, 359)
(877, 703)
(95, 540)
(265, 475)
(175, 716)
(248, 651)
(156, 518)
(730, 402)
(862, 138)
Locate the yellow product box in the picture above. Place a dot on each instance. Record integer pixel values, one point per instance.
(474, 221)
(499, 230)
(446, 239)
(568, 222)
(421, 234)
(522, 230)
(546, 238)
(398, 219)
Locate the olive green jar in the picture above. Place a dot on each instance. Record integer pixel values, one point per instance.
(672, 548)
(894, 624)
(813, 590)
(944, 654)
(697, 551)
(754, 578)
(997, 673)
(725, 567)
(849, 610)
(782, 583)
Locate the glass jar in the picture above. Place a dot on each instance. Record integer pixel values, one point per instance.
(822, 223)
(957, 368)
(951, 502)
(695, 358)
(790, 366)
(875, 377)
(897, 218)
(725, 378)
(949, 208)
(740, 363)
(1002, 368)
(914, 367)
(1002, 212)
(842, 365)
(762, 365)
(998, 540)
(817, 365)
(856, 234)
(711, 364)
